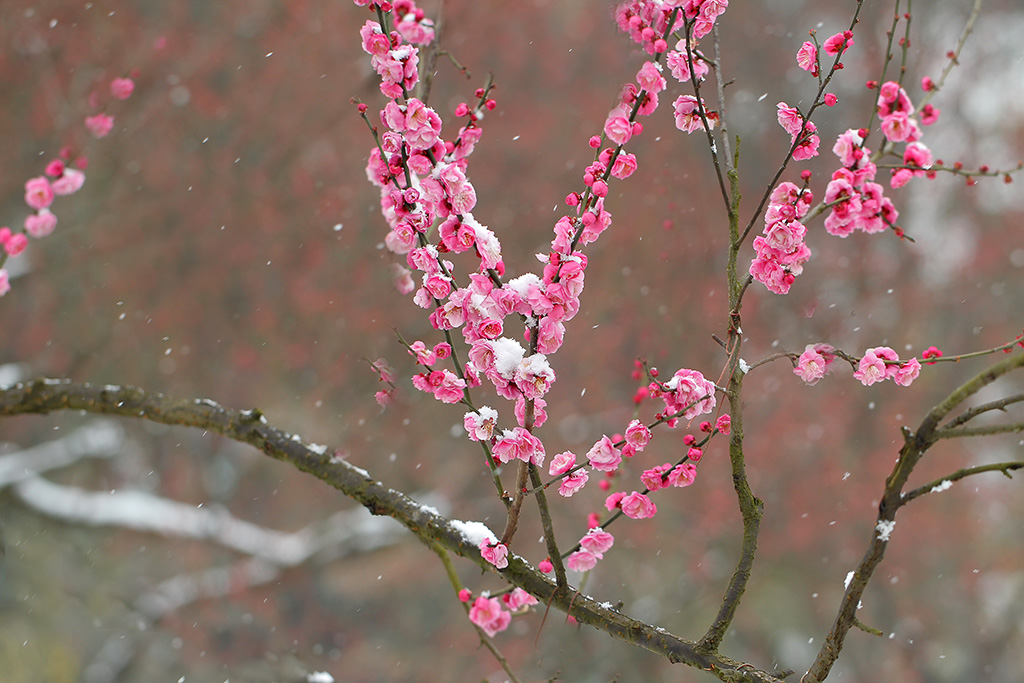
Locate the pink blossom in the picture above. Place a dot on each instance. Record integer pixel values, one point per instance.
(40, 224)
(931, 352)
(122, 88)
(422, 125)
(688, 390)
(724, 424)
(534, 376)
(519, 444)
(687, 114)
(638, 506)
(653, 478)
(613, 502)
(5, 281)
(929, 114)
(15, 244)
(545, 566)
(897, 127)
(384, 397)
(573, 483)
(839, 42)
(618, 127)
(562, 463)
(480, 425)
(38, 192)
(69, 182)
(907, 372)
(449, 386)
(375, 42)
(650, 79)
(789, 118)
(597, 542)
(848, 148)
(813, 363)
(99, 125)
(518, 599)
(495, 553)
(581, 561)
(807, 58)
(489, 616)
(871, 369)
(807, 148)
(624, 166)
(681, 475)
(603, 456)
(424, 356)
(637, 435)
(465, 595)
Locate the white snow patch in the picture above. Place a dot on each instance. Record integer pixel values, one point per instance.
(884, 529)
(943, 485)
(475, 533)
(744, 366)
(319, 677)
(849, 578)
(507, 354)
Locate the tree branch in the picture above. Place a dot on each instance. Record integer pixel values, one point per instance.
(251, 427)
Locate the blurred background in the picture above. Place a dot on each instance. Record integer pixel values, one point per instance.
(227, 245)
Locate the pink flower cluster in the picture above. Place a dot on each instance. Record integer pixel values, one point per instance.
(593, 546)
(394, 60)
(857, 202)
(792, 121)
(669, 475)
(646, 21)
(493, 615)
(488, 614)
(573, 479)
(898, 125)
(687, 393)
(781, 252)
(634, 505)
(882, 363)
(40, 193)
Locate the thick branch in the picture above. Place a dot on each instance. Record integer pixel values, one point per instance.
(250, 427)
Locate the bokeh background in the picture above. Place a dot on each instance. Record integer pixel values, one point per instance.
(227, 245)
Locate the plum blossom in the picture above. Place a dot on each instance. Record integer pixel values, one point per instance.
(840, 42)
(519, 444)
(5, 281)
(807, 58)
(597, 542)
(494, 552)
(39, 193)
(724, 424)
(687, 114)
(581, 561)
(99, 125)
(687, 392)
(603, 456)
(487, 613)
(681, 475)
(480, 425)
(814, 362)
(573, 483)
(637, 506)
(518, 600)
(122, 88)
(562, 463)
(781, 251)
